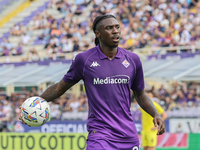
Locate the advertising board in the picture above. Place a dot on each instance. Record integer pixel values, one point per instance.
(184, 126)
(41, 141)
(67, 127)
(77, 141)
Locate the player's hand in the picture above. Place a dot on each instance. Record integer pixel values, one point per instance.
(20, 118)
(160, 124)
(154, 128)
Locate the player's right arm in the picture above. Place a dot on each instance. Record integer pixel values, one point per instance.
(53, 92)
(56, 90)
(73, 76)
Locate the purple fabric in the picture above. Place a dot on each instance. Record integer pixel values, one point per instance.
(38, 42)
(105, 144)
(6, 52)
(108, 83)
(7, 33)
(34, 13)
(197, 102)
(181, 100)
(191, 100)
(136, 115)
(161, 39)
(192, 38)
(19, 50)
(84, 23)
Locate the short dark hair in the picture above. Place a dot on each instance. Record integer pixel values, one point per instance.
(96, 21)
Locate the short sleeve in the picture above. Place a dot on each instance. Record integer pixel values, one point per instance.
(138, 81)
(75, 73)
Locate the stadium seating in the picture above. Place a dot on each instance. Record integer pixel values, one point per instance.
(4, 4)
(143, 32)
(154, 43)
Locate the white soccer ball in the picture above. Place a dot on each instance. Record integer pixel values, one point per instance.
(35, 111)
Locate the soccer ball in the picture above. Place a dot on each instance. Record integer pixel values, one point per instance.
(35, 111)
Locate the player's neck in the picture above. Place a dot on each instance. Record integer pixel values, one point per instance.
(108, 51)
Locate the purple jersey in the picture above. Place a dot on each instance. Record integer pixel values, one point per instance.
(108, 83)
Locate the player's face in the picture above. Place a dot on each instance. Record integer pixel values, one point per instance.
(109, 32)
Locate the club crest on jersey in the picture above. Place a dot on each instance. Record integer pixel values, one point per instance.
(94, 64)
(125, 63)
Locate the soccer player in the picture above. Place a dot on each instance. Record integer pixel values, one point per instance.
(149, 131)
(108, 72)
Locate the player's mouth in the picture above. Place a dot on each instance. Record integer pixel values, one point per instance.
(115, 38)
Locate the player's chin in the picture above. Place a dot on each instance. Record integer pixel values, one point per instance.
(114, 45)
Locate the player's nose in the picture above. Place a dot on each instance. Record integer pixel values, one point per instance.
(115, 30)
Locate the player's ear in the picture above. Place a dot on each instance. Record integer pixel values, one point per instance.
(97, 33)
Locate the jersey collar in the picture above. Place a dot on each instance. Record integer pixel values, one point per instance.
(103, 56)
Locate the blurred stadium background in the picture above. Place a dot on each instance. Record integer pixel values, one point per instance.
(38, 39)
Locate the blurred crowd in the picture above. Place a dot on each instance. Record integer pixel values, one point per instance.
(67, 107)
(146, 23)
(182, 100)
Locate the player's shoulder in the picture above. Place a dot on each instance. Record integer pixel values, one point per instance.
(128, 53)
(83, 56)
